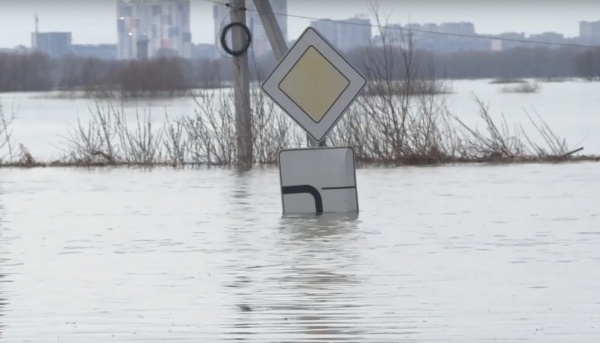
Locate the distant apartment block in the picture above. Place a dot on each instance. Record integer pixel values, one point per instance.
(508, 40)
(547, 37)
(355, 32)
(153, 28)
(589, 30)
(260, 41)
(460, 28)
(54, 44)
(330, 29)
(345, 34)
(391, 34)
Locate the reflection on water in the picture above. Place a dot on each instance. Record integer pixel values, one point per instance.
(298, 284)
(463, 253)
(3, 261)
(321, 271)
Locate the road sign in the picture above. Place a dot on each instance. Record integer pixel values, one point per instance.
(314, 84)
(321, 180)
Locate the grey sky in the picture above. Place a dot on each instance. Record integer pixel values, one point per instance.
(93, 21)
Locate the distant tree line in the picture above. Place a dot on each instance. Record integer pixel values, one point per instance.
(98, 77)
(25, 72)
(136, 78)
(588, 64)
(535, 62)
(172, 76)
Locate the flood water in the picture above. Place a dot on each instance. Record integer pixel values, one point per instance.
(437, 254)
(571, 109)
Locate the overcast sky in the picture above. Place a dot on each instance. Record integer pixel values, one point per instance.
(93, 21)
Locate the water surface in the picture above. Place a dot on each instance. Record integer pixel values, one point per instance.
(571, 109)
(437, 254)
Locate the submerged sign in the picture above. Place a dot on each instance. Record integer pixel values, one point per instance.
(318, 180)
(315, 85)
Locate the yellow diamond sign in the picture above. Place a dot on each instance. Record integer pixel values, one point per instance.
(314, 84)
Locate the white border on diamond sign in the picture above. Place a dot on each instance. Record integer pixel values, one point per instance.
(310, 37)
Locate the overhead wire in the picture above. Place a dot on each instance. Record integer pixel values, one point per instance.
(410, 29)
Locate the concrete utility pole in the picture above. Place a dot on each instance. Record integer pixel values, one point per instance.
(278, 43)
(243, 115)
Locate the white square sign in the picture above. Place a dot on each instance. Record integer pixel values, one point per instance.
(320, 180)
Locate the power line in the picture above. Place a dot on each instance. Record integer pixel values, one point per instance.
(410, 30)
(218, 2)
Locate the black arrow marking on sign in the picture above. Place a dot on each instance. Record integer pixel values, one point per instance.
(302, 189)
(344, 187)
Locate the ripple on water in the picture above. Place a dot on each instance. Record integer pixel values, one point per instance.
(204, 255)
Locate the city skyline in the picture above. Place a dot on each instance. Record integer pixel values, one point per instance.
(17, 17)
(153, 28)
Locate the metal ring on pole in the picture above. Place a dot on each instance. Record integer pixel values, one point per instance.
(224, 39)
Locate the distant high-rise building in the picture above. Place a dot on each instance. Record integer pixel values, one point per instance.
(55, 44)
(260, 41)
(345, 34)
(547, 37)
(330, 29)
(463, 28)
(392, 34)
(160, 26)
(355, 32)
(589, 30)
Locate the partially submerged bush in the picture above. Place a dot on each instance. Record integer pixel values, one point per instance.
(522, 88)
(417, 87)
(207, 137)
(384, 129)
(6, 141)
(507, 80)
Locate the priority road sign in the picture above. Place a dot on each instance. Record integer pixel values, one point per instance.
(321, 180)
(314, 84)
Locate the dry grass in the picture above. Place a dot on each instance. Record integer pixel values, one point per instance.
(206, 138)
(522, 88)
(507, 81)
(418, 87)
(424, 131)
(7, 153)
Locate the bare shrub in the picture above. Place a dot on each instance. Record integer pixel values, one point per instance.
(588, 64)
(6, 141)
(495, 142)
(553, 145)
(401, 120)
(391, 123)
(272, 130)
(211, 131)
(108, 138)
(507, 81)
(206, 137)
(525, 87)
